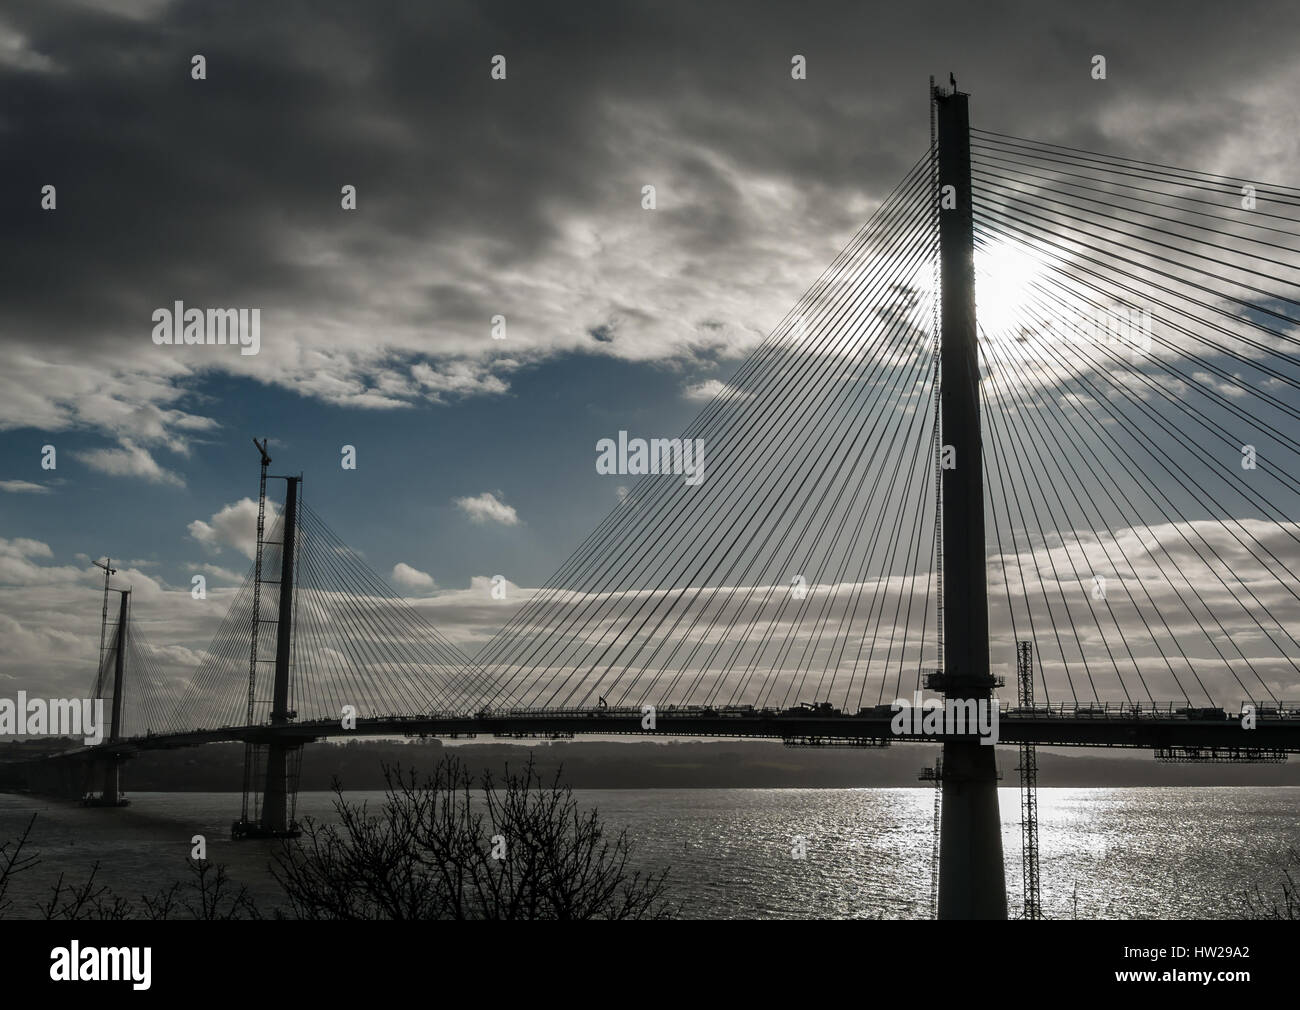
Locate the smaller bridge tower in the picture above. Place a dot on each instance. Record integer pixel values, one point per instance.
(111, 796)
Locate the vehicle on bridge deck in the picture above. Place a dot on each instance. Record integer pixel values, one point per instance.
(807, 708)
(1217, 714)
(1272, 712)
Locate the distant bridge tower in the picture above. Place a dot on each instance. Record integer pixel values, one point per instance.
(273, 760)
(112, 763)
(972, 884)
(282, 760)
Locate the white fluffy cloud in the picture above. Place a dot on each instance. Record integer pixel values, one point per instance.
(488, 508)
(130, 460)
(412, 578)
(50, 616)
(703, 392)
(235, 525)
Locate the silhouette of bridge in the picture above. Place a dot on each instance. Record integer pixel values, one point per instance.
(1129, 391)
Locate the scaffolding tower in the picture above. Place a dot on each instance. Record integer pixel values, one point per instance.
(935, 775)
(1028, 785)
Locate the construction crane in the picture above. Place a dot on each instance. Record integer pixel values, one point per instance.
(103, 619)
(1028, 785)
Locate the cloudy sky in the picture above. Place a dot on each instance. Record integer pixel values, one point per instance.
(475, 198)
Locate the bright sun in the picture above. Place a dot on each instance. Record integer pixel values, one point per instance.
(1004, 277)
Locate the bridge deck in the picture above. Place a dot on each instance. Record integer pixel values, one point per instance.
(1145, 729)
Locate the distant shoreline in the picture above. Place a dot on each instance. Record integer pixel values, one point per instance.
(642, 789)
(730, 764)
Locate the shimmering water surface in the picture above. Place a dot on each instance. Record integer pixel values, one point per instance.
(1110, 853)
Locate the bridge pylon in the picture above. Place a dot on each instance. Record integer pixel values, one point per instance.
(972, 882)
(111, 763)
(272, 761)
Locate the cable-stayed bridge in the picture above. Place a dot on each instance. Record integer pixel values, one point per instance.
(1045, 395)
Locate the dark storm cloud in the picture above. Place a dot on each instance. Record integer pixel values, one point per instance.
(225, 191)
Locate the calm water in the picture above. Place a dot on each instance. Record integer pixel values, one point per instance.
(1133, 853)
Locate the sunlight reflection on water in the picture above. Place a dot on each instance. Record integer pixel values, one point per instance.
(1133, 853)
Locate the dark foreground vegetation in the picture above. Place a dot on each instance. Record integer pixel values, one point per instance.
(439, 846)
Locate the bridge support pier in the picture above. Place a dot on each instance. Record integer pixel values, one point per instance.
(109, 770)
(112, 782)
(282, 764)
(972, 882)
